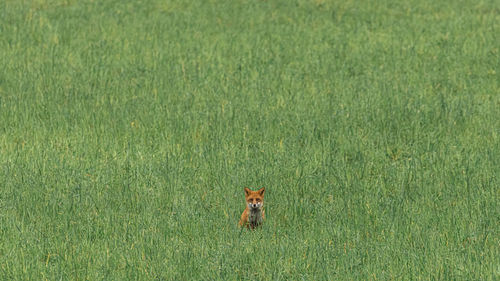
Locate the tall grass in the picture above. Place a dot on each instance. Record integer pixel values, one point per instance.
(128, 130)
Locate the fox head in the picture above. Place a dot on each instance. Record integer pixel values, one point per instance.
(254, 199)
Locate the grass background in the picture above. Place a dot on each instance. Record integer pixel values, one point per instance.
(128, 130)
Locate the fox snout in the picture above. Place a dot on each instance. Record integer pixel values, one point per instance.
(254, 205)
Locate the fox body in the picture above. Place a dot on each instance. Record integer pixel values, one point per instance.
(253, 215)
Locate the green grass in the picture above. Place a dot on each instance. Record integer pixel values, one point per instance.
(128, 130)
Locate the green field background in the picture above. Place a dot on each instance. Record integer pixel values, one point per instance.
(128, 130)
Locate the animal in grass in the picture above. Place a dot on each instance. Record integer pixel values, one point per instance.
(253, 215)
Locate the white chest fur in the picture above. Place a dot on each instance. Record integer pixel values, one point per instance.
(255, 216)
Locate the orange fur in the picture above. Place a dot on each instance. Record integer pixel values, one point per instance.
(253, 215)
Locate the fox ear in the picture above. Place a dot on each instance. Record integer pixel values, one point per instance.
(247, 191)
(261, 191)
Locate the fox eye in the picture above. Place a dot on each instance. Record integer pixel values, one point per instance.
(258, 200)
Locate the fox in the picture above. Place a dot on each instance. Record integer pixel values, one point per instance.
(253, 215)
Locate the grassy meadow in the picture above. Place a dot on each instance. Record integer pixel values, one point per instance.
(128, 130)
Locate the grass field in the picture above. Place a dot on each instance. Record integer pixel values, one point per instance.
(128, 130)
